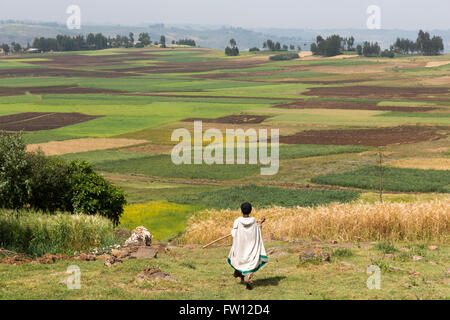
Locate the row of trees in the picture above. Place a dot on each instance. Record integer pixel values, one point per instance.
(276, 46)
(425, 45)
(80, 42)
(185, 42)
(33, 180)
(335, 45)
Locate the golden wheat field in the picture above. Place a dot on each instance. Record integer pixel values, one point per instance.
(344, 222)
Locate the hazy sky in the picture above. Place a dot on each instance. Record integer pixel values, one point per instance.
(317, 14)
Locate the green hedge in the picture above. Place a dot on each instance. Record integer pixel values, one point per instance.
(39, 233)
(285, 56)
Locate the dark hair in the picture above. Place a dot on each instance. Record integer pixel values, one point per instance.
(246, 208)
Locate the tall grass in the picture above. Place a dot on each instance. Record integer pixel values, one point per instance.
(345, 222)
(37, 234)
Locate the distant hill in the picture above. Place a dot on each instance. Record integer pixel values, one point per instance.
(207, 36)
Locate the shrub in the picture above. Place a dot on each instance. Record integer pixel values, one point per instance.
(234, 51)
(285, 56)
(50, 187)
(15, 171)
(50, 184)
(254, 49)
(385, 247)
(36, 233)
(90, 193)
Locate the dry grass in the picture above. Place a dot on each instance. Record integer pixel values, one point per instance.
(426, 164)
(81, 145)
(419, 221)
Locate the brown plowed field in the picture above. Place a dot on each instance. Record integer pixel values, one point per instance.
(317, 104)
(376, 92)
(234, 119)
(36, 121)
(366, 137)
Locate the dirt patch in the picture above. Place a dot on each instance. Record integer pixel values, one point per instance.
(376, 92)
(150, 149)
(433, 64)
(36, 121)
(425, 164)
(17, 91)
(317, 104)
(366, 137)
(81, 145)
(233, 119)
(438, 81)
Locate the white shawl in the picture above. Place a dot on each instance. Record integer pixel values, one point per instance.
(247, 254)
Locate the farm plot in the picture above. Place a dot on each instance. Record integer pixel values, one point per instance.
(366, 137)
(378, 92)
(346, 105)
(36, 121)
(394, 179)
(81, 145)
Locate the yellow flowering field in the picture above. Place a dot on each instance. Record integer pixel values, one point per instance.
(162, 218)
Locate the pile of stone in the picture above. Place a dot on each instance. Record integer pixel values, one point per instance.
(138, 245)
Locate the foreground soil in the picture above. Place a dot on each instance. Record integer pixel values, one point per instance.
(412, 271)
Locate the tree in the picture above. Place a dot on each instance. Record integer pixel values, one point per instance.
(331, 46)
(359, 49)
(5, 48)
(232, 42)
(144, 39)
(131, 35)
(162, 41)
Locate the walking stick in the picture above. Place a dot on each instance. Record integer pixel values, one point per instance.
(221, 238)
(228, 235)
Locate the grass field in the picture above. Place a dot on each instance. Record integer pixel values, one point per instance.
(204, 274)
(328, 158)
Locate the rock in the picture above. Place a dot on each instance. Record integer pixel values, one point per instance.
(347, 264)
(139, 237)
(404, 249)
(389, 256)
(144, 253)
(447, 272)
(87, 257)
(314, 254)
(432, 248)
(155, 273)
(417, 258)
(396, 268)
(279, 254)
(112, 260)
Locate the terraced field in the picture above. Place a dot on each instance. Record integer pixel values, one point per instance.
(117, 108)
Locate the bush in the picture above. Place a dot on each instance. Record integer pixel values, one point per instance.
(285, 56)
(50, 184)
(254, 49)
(234, 51)
(387, 54)
(90, 193)
(36, 233)
(15, 171)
